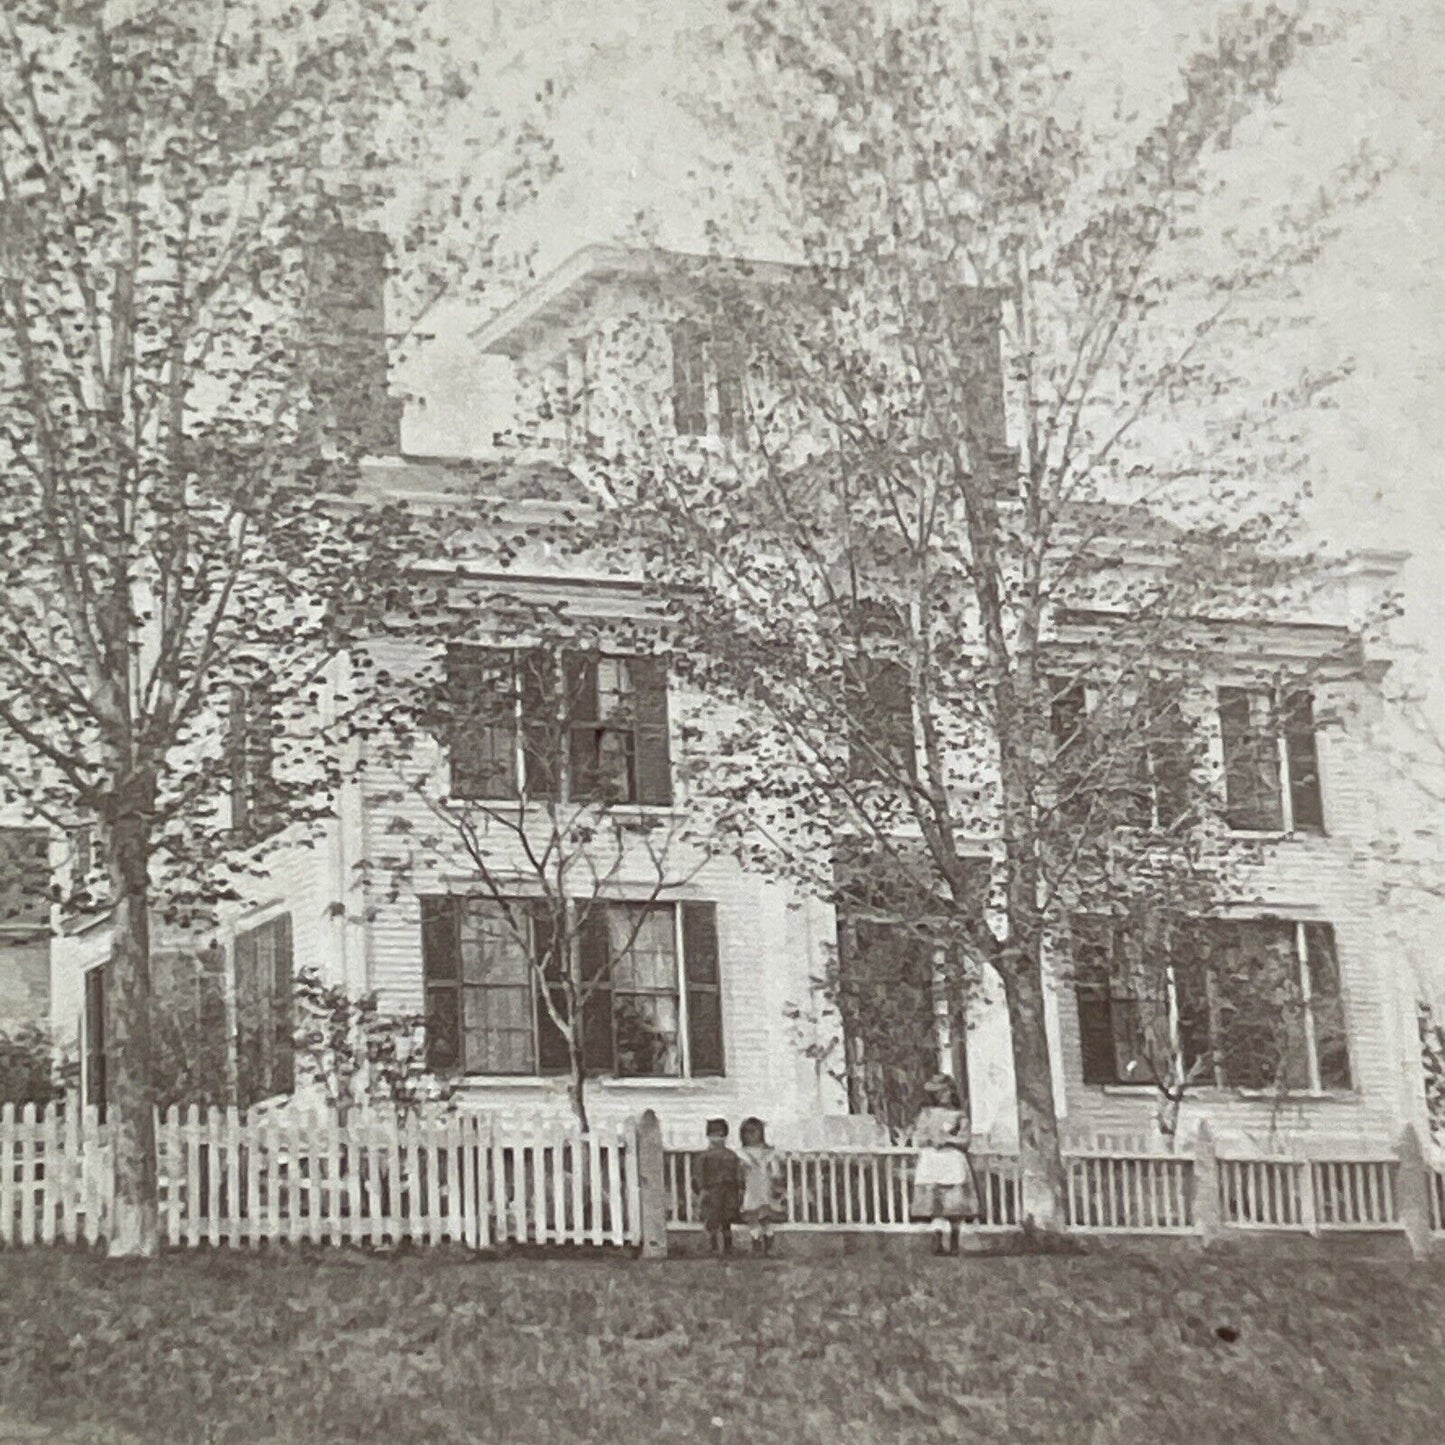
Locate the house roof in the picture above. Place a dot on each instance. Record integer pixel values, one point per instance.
(564, 289)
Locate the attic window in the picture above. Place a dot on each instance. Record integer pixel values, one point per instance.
(708, 383)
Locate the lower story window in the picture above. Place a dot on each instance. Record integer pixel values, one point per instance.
(496, 987)
(1248, 1004)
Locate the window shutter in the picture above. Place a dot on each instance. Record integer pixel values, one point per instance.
(689, 385)
(579, 672)
(654, 759)
(1091, 993)
(728, 360)
(1171, 760)
(283, 1079)
(704, 994)
(552, 1052)
(249, 1046)
(441, 970)
(541, 735)
(597, 1041)
(95, 1042)
(1306, 802)
(1327, 1007)
(236, 747)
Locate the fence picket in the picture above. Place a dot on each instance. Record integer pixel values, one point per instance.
(47, 1173)
(614, 1188)
(213, 1177)
(71, 1178)
(7, 1173)
(25, 1157)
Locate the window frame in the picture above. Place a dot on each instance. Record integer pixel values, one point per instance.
(533, 778)
(685, 986)
(1278, 706)
(1305, 965)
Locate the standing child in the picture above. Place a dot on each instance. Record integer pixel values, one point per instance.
(943, 1189)
(719, 1186)
(762, 1174)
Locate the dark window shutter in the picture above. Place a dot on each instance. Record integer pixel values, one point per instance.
(283, 1059)
(728, 360)
(597, 1039)
(95, 1037)
(542, 735)
(654, 759)
(552, 1052)
(1327, 1007)
(250, 1051)
(236, 748)
(584, 756)
(689, 383)
(1091, 942)
(441, 970)
(704, 995)
(1306, 803)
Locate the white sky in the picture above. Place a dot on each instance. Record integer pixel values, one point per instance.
(1379, 296)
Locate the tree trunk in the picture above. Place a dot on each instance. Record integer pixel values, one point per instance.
(577, 1083)
(1041, 1167)
(129, 1106)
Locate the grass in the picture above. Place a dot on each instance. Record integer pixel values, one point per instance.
(1107, 1347)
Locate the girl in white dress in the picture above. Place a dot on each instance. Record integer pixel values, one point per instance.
(943, 1188)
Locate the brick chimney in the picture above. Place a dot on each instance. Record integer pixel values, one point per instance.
(348, 308)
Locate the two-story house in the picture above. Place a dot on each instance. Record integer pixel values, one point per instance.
(706, 974)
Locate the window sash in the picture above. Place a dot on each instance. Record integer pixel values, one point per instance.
(1271, 761)
(1314, 1047)
(674, 1011)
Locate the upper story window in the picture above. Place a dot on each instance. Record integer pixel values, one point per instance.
(578, 726)
(1271, 763)
(708, 383)
(652, 999)
(878, 699)
(1234, 1003)
(24, 880)
(1132, 768)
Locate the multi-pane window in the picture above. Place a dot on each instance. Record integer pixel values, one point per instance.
(24, 880)
(709, 395)
(588, 727)
(265, 984)
(878, 697)
(651, 1003)
(1250, 1004)
(1125, 761)
(1271, 763)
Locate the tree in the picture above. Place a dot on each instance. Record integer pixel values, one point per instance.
(192, 358)
(970, 651)
(520, 767)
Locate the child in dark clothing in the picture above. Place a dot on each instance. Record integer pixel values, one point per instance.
(719, 1177)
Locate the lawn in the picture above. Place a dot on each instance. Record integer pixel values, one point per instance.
(1099, 1348)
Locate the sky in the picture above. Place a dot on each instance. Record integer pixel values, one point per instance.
(628, 147)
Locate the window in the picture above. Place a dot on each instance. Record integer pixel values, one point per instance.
(1271, 763)
(256, 804)
(1251, 1004)
(24, 880)
(878, 698)
(709, 394)
(1134, 767)
(649, 971)
(505, 721)
(481, 709)
(265, 1057)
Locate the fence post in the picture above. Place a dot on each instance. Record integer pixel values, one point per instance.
(1414, 1195)
(1206, 1186)
(652, 1186)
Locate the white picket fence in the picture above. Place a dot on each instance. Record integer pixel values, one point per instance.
(301, 1178)
(1111, 1189)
